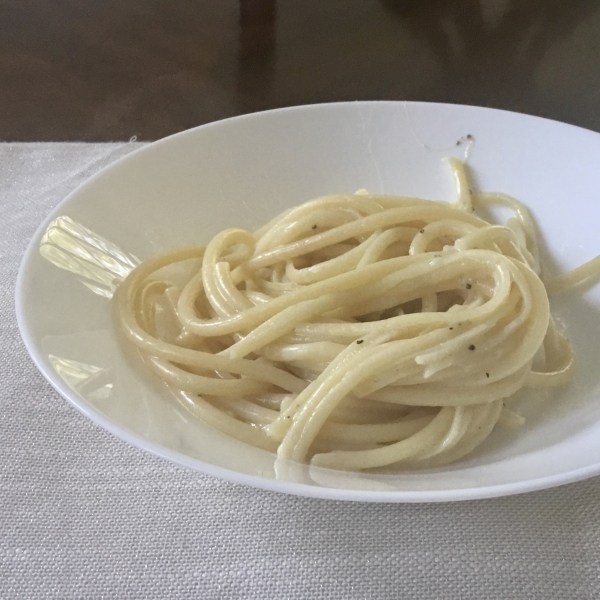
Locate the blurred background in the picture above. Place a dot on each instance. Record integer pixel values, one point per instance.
(98, 71)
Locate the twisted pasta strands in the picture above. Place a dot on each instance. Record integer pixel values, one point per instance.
(355, 331)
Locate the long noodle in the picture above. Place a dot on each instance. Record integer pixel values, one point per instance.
(356, 331)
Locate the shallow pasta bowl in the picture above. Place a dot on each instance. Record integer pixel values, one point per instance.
(243, 171)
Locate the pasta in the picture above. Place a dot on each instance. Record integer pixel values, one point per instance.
(355, 331)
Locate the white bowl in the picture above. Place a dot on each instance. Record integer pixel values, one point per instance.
(242, 171)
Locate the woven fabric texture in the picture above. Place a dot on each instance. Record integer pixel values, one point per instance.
(84, 515)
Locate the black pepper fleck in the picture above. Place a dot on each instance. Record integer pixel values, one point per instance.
(487, 375)
(422, 231)
(314, 226)
(472, 347)
(359, 341)
(451, 328)
(469, 286)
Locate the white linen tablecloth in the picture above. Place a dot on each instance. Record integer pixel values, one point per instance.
(84, 515)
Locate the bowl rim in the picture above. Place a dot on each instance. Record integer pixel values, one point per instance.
(254, 481)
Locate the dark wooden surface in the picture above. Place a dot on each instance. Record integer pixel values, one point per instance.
(112, 69)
